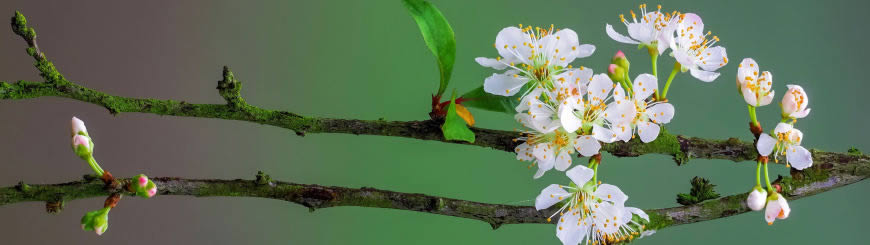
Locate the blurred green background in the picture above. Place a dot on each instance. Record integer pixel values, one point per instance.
(366, 59)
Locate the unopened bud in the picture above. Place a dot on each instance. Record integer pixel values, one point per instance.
(620, 60)
(82, 146)
(78, 127)
(143, 187)
(616, 73)
(97, 221)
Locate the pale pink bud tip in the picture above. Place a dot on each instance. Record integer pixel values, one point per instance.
(143, 181)
(78, 126)
(612, 68)
(80, 140)
(152, 192)
(100, 231)
(619, 54)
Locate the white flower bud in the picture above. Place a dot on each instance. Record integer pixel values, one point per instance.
(756, 200)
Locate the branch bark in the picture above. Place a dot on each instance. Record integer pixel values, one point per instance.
(831, 171)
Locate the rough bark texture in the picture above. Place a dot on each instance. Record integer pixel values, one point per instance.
(831, 170)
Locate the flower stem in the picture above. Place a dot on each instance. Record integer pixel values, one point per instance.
(593, 164)
(670, 79)
(95, 166)
(758, 174)
(752, 116)
(654, 57)
(767, 180)
(595, 175)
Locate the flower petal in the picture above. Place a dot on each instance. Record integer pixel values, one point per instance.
(749, 96)
(598, 88)
(765, 144)
(580, 174)
(569, 120)
(551, 195)
(611, 193)
(648, 131)
(620, 111)
(587, 145)
(640, 213)
(585, 50)
(799, 157)
(509, 43)
(524, 152)
(661, 113)
(504, 85)
(491, 63)
(618, 37)
(706, 76)
(713, 58)
(570, 229)
(623, 131)
(644, 86)
(782, 128)
(565, 45)
(603, 134)
(765, 100)
(801, 114)
(526, 100)
(563, 160)
(642, 31)
(747, 71)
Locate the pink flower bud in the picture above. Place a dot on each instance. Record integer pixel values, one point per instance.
(612, 68)
(152, 191)
(619, 55)
(81, 140)
(143, 181)
(78, 126)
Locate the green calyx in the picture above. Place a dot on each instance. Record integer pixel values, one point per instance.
(84, 152)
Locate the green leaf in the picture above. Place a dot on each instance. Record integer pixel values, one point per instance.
(480, 99)
(454, 127)
(438, 36)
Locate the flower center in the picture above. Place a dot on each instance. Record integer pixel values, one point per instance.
(798, 98)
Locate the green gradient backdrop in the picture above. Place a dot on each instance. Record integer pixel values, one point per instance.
(366, 59)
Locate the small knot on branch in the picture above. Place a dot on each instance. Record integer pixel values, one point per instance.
(263, 179)
(702, 190)
(111, 182)
(756, 129)
(112, 200)
(22, 187)
(230, 88)
(54, 207)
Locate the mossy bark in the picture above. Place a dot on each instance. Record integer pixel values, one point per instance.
(831, 170)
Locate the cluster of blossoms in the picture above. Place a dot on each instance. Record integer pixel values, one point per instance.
(141, 186)
(784, 141)
(567, 110)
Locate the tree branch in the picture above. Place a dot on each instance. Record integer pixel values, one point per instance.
(55, 84)
(831, 171)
